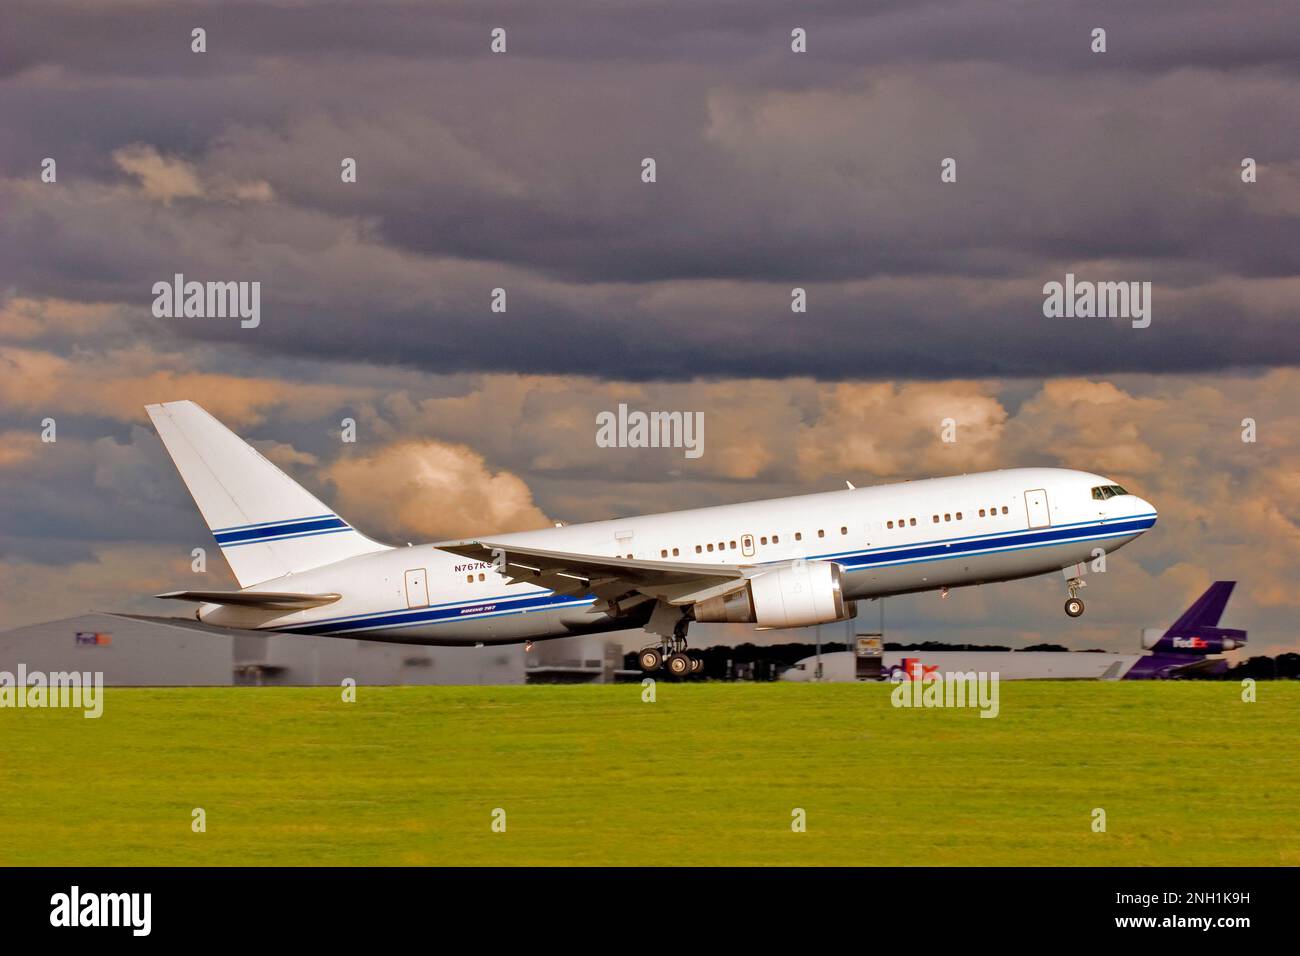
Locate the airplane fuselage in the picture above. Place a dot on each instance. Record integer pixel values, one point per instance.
(889, 539)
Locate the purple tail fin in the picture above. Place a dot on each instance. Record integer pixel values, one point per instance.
(1206, 610)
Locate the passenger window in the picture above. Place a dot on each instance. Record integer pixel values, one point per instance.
(469, 578)
(958, 515)
(936, 519)
(891, 524)
(480, 577)
(844, 530)
(763, 540)
(821, 533)
(733, 546)
(710, 547)
(697, 549)
(947, 517)
(1004, 509)
(913, 522)
(798, 535)
(981, 512)
(663, 552)
(776, 539)
(675, 552)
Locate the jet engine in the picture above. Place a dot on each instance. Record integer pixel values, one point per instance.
(1195, 640)
(793, 595)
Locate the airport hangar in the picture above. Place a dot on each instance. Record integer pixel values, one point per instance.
(145, 651)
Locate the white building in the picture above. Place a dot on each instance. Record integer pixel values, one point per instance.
(158, 651)
(1010, 665)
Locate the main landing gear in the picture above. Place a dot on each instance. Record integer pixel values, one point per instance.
(1073, 606)
(672, 655)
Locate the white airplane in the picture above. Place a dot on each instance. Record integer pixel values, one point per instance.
(787, 562)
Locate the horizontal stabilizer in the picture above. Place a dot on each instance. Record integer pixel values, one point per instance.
(274, 600)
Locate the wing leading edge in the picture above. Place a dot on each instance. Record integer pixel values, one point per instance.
(566, 572)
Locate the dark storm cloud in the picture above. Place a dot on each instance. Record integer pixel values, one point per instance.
(775, 170)
(1156, 35)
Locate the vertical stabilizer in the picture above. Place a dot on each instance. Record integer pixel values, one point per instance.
(266, 524)
(1206, 609)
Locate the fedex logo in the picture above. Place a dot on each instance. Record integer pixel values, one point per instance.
(1190, 643)
(915, 670)
(94, 639)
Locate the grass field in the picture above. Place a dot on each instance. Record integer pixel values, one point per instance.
(709, 774)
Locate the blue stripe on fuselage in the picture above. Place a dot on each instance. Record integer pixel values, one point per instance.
(444, 613)
(959, 546)
(850, 561)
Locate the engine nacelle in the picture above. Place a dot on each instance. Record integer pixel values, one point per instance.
(795, 595)
(1196, 640)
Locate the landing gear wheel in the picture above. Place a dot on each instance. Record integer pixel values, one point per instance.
(651, 659)
(1073, 607)
(679, 665)
(697, 666)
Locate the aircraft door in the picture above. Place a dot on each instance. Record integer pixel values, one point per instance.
(623, 541)
(1036, 507)
(417, 588)
(747, 545)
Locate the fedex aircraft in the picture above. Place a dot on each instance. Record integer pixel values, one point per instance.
(1185, 647)
(787, 562)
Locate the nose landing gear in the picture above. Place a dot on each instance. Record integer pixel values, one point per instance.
(1073, 606)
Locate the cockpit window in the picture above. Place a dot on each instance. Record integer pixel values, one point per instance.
(1102, 492)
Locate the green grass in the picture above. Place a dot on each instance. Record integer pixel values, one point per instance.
(709, 774)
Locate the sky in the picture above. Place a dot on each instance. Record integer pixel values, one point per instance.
(774, 170)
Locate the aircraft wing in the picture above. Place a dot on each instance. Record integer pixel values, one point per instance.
(566, 572)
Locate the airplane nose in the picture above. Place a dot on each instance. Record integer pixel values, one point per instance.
(1145, 507)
